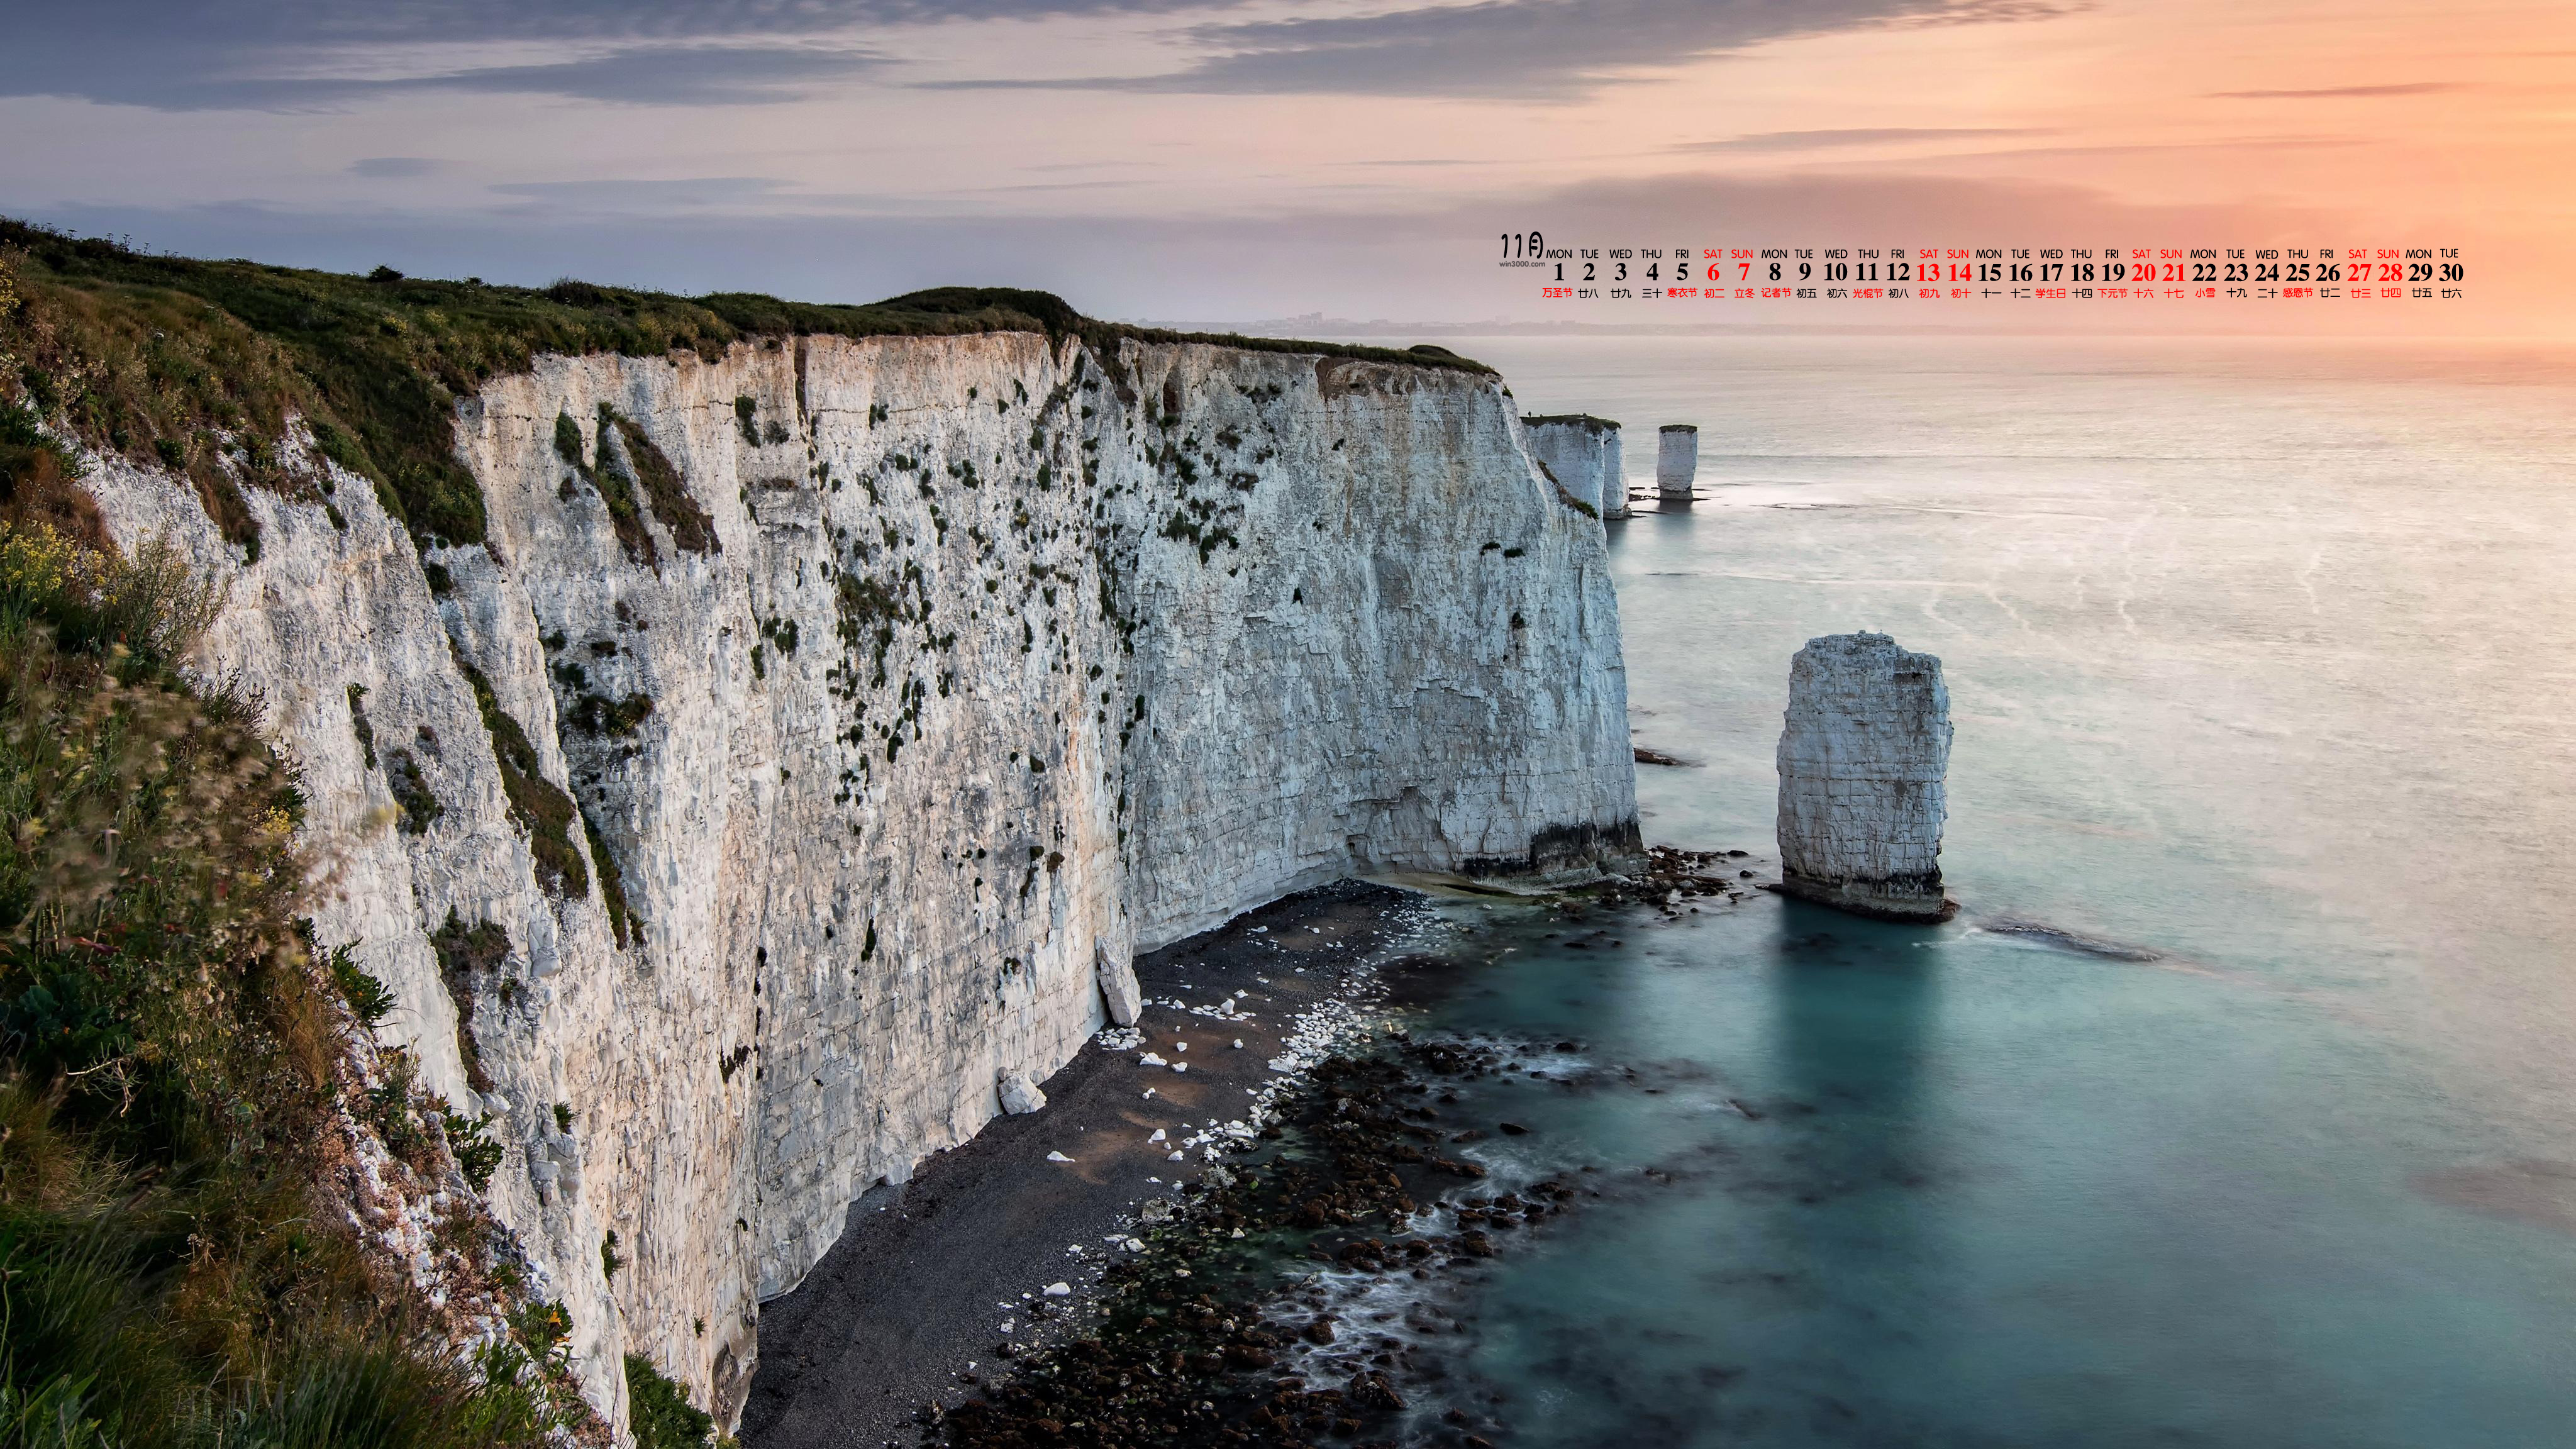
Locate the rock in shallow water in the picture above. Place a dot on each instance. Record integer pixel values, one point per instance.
(1676, 463)
(1862, 761)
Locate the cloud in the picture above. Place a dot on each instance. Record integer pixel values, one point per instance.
(1852, 136)
(1504, 48)
(681, 75)
(2341, 93)
(287, 55)
(2239, 145)
(184, 55)
(386, 167)
(675, 76)
(631, 195)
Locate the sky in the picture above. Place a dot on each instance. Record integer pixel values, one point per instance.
(1228, 162)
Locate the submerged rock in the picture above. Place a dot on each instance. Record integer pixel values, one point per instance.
(1862, 760)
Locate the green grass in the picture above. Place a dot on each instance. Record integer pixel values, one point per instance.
(161, 358)
(612, 890)
(664, 492)
(543, 810)
(616, 487)
(660, 1412)
(173, 1062)
(465, 957)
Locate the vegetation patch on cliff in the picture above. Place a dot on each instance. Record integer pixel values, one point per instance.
(664, 491)
(615, 485)
(38, 477)
(612, 888)
(659, 1411)
(188, 1098)
(544, 811)
(465, 957)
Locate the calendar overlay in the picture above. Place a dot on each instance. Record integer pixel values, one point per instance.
(2098, 275)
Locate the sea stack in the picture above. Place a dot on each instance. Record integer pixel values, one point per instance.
(1862, 758)
(1676, 464)
(1583, 454)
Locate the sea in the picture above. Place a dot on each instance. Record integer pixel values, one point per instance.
(2234, 1109)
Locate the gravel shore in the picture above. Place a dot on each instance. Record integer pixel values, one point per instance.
(910, 1307)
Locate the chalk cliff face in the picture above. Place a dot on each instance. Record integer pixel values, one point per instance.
(1862, 758)
(821, 725)
(1583, 455)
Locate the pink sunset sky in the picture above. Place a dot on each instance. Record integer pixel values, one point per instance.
(1230, 162)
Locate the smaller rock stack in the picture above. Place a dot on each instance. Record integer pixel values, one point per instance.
(1583, 454)
(1676, 464)
(1862, 760)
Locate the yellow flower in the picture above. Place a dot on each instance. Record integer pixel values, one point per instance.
(35, 560)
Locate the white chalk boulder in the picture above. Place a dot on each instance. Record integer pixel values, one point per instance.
(1119, 994)
(1020, 1096)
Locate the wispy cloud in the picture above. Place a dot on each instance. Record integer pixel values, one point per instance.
(1504, 48)
(390, 167)
(288, 55)
(682, 75)
(2341, 93)
(1853, 136)
(639, 194)
(302, 55)
(694, 75)
(2239, 145)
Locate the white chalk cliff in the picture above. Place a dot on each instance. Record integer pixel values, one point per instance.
(956, 671)
(1864, 752)
(1582, 454)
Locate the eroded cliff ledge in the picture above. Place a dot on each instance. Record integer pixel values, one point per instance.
(814, 714)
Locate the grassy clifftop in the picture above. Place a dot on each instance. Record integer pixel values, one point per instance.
(195, 365)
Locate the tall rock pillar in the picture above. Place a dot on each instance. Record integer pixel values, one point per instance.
(1614, 475)
(1862, 760)
(1676, 464)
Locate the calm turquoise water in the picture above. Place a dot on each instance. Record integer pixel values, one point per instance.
(2263, 658)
